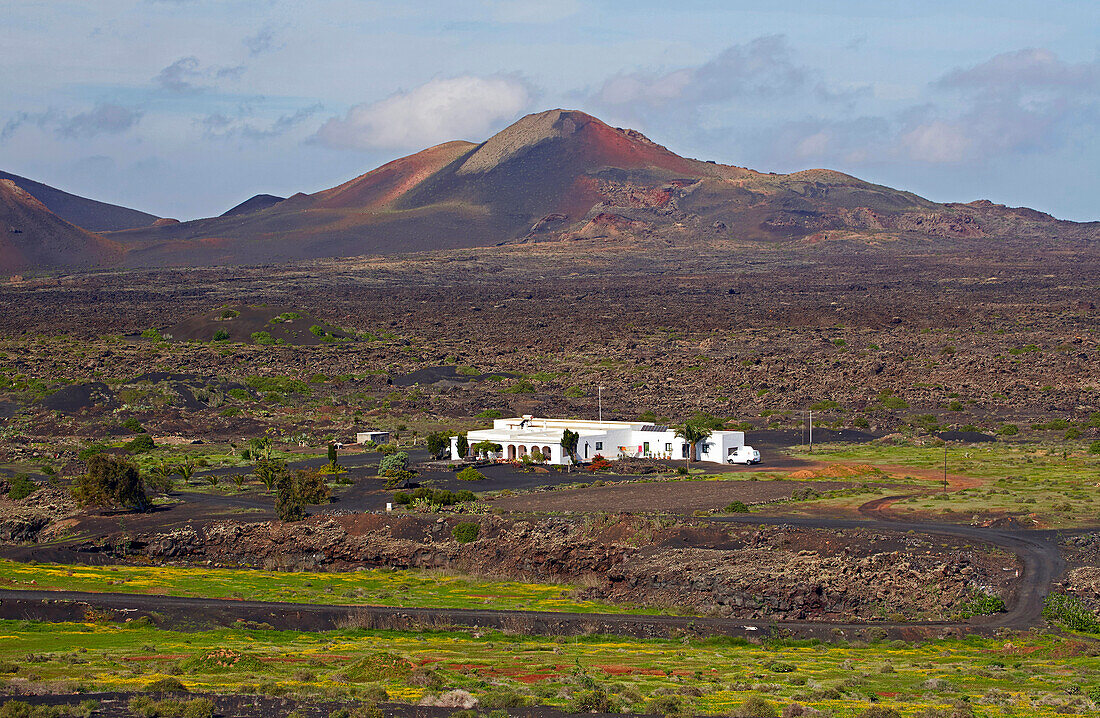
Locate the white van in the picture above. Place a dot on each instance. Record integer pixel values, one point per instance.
(743, 455)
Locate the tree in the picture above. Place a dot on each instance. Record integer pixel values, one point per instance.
(486, 447)
(261, 447)
(160, 477)
(392, 463)
(463, 446)
(288, 505)
(569, 441)
(268, 471)
(294, 491)
(111, 481)
(186, 470)
(692, 434)
(438, 443)
(332, 455)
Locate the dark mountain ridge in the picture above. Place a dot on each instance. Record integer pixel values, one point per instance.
(88, 214)
(563, 175)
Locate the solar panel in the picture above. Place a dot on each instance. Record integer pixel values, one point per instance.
(654, 427)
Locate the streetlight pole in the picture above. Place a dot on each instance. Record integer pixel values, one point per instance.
(811, 427)
(599, 395)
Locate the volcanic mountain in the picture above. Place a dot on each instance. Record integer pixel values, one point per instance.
(563, 175)
(33, 237)
(83, 212)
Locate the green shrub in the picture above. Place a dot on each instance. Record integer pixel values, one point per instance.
(736, 507)
(522, 386)
(140, 444)
(1094, 447)
(153, 334)
(575, 392)
(21, 487)
(264, 338)
(825, 405)
(756, 706)
(489, 414)
(133, 425)
(240, 394)
(391, 463)
(221, 335)
(591, 700)
(230, 314)
(1071, 613)
(375, 693)
(879, 712)
(665, 705)
(1008, 430)
(470, 474)
(166, 685)
(436, 497)
(281, 384)
(504, 698)
(894, 403)
(466, 532)
(983, 605)
(317, 330)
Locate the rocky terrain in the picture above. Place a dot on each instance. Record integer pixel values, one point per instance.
(757, 572)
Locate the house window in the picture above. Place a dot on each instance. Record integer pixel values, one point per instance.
(599, 445)
(668, 448)
(706, 448)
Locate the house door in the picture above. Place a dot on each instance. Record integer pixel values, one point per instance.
(586, 449)
(645, 448)
(683, 451)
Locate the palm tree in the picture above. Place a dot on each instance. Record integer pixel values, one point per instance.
(569, 441)
(692, 434)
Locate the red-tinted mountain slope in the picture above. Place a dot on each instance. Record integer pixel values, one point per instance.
(32, 237)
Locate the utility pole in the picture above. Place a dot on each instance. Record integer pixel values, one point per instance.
(945, 467)
(811, 427)
(599, 397)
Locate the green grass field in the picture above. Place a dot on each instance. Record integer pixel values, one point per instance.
(377, 587)
(1059, 485)
(1033, 675)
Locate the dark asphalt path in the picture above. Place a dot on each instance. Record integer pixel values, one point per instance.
(198, 613)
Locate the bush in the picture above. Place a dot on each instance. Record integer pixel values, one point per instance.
(591, 700)
(391, 463)
(756, 706)
(1094, 447)
(489, 414)
(221, 335)
(1008, 430)
(151, 334)
(21, 487)
(264, 338)
(375, 693)
(736, 507)
(521, 387)
(436, 497)
(166, 685)
(133, 425)
(665, 705)
(111, 481)
(574, 392)
(1071, 613)
(140, 444)
(879, 712)
(470, 474)
(230, 314)
(466, 532)
(504, 698)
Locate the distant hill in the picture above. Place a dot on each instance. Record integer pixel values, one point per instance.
(254, 204)
(33, 237)
(563, 175)
(83, 212)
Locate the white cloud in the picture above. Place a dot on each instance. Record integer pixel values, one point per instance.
(467, 107)
(937, 142)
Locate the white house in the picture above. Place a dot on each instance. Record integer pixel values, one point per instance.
(610, 439)
(378, 437)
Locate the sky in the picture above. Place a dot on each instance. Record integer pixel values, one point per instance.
(184, 108)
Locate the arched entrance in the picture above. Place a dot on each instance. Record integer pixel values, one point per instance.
(511, 452)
